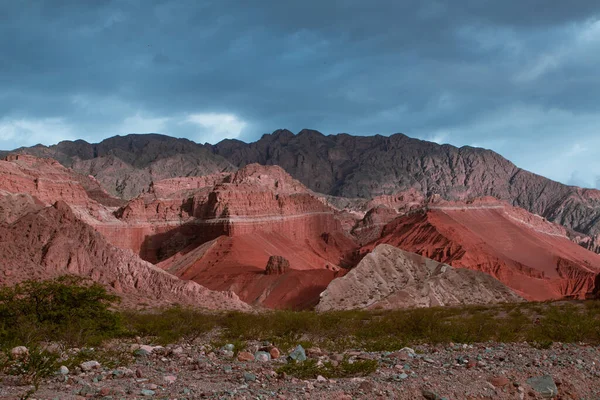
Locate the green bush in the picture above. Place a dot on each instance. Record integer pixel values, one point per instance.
(170, 325)
(31, 369)
(67, 309)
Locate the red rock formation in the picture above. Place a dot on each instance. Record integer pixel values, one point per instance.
(277, 265)
(254, 199)
(237, 263)
(522, 250)
(224, 235)
(340, 165)
(45, 179)
(53, 242)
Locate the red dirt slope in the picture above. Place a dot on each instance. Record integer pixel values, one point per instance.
(525, 252)
(222, 234)
(52, 241)
(238, 263)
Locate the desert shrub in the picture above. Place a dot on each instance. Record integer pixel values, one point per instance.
(170, 325)
(31, 369)
(567, 323)
(67, 309)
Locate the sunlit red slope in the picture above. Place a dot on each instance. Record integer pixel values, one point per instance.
(233, 226)
(527, 253)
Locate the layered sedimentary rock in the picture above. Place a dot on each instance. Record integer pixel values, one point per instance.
(527, 253)
(45, 179)
(52, 241)
(254, 199)
(341, 165)
(389, 278)
(254, 214)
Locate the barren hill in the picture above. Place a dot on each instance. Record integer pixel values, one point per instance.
(392, 278)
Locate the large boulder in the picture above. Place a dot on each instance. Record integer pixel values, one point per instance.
(277, 265)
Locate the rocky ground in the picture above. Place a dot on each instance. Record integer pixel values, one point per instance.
(454, 371)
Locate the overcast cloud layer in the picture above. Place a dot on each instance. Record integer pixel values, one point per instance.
(518, 77)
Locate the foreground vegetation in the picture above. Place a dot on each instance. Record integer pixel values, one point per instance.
(77, 313)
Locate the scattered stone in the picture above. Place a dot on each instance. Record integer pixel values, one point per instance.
(499, 381)
(544, 385)
(89, 365)
(147, 392)
(122, 372)
(275, 353)
(321, 378)
(262, 356)
(141, 353)
(146, 348)
(87, 391)
(314, 352)
(249, 377)
(63, 370)
(245, 356)
(170, 379)
(430, 395)
(366, 386)
(105, 391)
(19, 352)
(298, 354)
(227, 353)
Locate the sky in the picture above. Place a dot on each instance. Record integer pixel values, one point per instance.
(519, 77)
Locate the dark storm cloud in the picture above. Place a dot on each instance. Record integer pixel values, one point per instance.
(518, 76)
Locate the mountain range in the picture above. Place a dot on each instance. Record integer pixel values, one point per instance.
(288, 219)
(337, 165)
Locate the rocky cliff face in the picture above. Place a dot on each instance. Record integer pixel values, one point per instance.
(126, 165)
(353, 166)
(530, 255)
(53, 241)
(389, 278)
